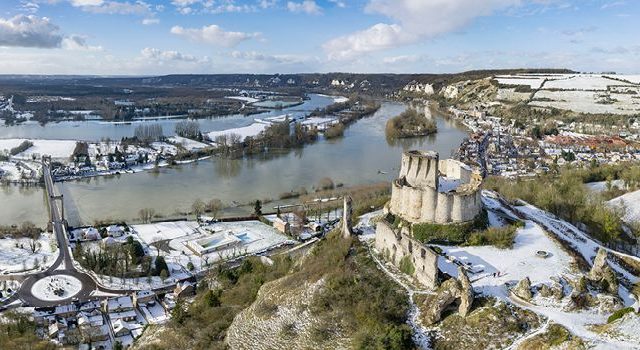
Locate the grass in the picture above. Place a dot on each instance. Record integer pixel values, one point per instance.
(555, 336)
(449, 234)
(501, 237)
(619, 313)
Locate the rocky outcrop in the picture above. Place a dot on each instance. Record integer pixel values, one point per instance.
(450, 291)
(601, 275)
(523, 289)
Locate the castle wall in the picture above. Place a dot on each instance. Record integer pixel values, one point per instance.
(398, 245)
(415, 196)
(455, 169)
(420, 169)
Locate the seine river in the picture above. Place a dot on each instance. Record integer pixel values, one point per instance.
(362, 156)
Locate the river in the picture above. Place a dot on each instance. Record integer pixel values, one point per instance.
(362, 156)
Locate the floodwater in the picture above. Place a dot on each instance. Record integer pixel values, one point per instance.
(362, 156)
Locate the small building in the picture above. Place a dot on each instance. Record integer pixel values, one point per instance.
(121, 328)
(115, 231)
(91, 234)
(282, 225)
(143, 297)
(184, 289)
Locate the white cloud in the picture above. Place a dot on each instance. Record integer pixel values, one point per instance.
(257, 56)
(339, 3)
(80, 3)
(29, 31)
(306, 6)
(186, 7)
(214, 35)
(414, 20)
(138, 7)
(78, 43)
(150, 21)
(160, 55)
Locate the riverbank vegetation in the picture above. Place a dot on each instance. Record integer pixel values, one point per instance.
(410, 123)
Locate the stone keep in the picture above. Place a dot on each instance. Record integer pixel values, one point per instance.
(436, 191)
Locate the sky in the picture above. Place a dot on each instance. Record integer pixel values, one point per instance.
(153, 37)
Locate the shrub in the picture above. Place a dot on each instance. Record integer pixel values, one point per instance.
(334, 131)
(25, 145)
(406, 265)
(501, 237)
(619, 313)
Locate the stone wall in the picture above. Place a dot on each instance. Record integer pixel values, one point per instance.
(396, 245)
(416, 194)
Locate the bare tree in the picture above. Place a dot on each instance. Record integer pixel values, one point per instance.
(214, 206)
(146, 214)
(198, 207)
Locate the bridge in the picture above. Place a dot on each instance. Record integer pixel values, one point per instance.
(63, 266)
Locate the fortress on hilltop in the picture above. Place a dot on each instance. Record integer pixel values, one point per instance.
(435, 191)
(428, 190)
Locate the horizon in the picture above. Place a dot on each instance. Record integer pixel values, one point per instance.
(167, 37)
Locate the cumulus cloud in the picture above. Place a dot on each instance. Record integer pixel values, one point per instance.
(414, 20)
(214, 35)
(160, 55)
(257, 56)
(306, 6)
(29, 31)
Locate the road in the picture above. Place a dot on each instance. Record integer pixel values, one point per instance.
(62, 266)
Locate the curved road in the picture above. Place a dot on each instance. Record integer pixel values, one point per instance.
(63, 265)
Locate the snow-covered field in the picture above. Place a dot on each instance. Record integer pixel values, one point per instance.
(630, 202)
(512, 95)
(251, 130)
(150, 233)
(632, 78)
(188, 144)
(45, 288)
(8, 144)
(587, 101)
(16, 255)
(59, 149)
(583, 82)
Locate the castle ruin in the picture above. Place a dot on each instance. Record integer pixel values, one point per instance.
(428, 190)
(435, 191)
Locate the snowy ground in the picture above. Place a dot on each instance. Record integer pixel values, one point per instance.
(16, 255)
(513, 264)
(583, 82)
(586, 101)
(59, 149)
(631, 204)
(188, 144)
(600, 186)
(44, 289)
(150, 233)
(251, 130)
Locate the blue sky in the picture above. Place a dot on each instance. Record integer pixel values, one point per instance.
(142, 37)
